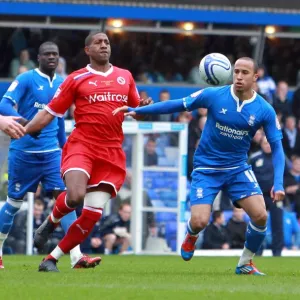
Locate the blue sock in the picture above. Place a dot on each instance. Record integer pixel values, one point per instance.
(7, 215)
(68, 220)
(190, 230)
(255, 236)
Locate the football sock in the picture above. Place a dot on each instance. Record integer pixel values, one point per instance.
(66, 222)
(77, 232)
(60, 208)
(190, 230)
(255, 236)
(7, 215)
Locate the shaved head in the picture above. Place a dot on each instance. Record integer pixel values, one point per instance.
(255, 65)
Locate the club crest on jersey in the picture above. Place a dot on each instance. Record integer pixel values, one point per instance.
(121, 80)
(251, 120)
(200, 193)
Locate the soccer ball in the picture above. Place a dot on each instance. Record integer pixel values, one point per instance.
(215, 69)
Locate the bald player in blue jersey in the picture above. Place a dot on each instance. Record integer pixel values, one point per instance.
(35, 159)
(235, 113)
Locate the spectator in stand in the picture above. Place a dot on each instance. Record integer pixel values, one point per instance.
(143, 94)
(164, 95)
(236, 228)
(22, 60)
(115, 230)
(194, 75)
(266, 84)
(184, 117)
(256, 141)
(291, 137)
(215, 234)
(296, 103)
(22, 69)
(62, 68)
(281, 102)
(291, 230)
(262, 167)
(150, 155)
(292, 184)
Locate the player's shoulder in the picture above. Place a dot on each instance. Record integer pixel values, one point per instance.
(26, 75)
(121, 72)
(217, 90)
(79, 73)
(263, 104)
(59, 78)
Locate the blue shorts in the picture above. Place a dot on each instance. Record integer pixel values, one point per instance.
(27, 170)
(237, 183)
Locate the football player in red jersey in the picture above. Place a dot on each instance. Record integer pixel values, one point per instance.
(93, 162)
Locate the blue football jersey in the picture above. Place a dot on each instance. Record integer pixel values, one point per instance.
(230, 126)
(31, 92)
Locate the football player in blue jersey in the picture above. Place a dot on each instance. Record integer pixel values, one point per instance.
(235, 113)
(35, 159)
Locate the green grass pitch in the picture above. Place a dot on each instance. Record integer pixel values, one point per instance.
(150, 277)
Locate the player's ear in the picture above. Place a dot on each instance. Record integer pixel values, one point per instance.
(255, 77)
(38, 58)
(87, 50)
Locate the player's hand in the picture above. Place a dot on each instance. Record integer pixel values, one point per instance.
(145, 102)
(278, 195)
(125, 110)
(11, 127)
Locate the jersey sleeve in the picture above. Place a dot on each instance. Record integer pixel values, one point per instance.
(272, 126)
(63, 98)
(202, 98)
(133, 95)
(17, 89)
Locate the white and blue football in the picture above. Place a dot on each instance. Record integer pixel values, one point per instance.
(215, 69)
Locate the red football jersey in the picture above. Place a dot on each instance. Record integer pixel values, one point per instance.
(95, 95)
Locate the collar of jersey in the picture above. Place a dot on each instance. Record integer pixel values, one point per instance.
(45, 76)
(105, 74)
(237, 100)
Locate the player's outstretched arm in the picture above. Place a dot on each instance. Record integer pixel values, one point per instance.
(40, 120)
(167, 107)
(11, 127)
(278, 158)
(7, 109)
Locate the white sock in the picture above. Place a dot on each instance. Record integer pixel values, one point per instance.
(3, 237)
(75, 255)
(246, 256)
(57, 253)
(53, 219)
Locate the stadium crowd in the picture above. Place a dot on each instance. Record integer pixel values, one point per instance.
(180, 56)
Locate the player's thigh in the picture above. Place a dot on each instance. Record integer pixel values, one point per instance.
(52, 180)
(24, 173)
(109, 171)
(242, 184)
(205, 186)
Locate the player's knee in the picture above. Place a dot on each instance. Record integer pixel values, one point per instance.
(111, 238)
(260, 218)
(198, 223)
(75, 196)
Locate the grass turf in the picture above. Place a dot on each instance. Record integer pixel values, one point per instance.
(150, 277)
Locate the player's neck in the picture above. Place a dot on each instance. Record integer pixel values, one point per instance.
(48, 73)
(245, 95)
(100, 67)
